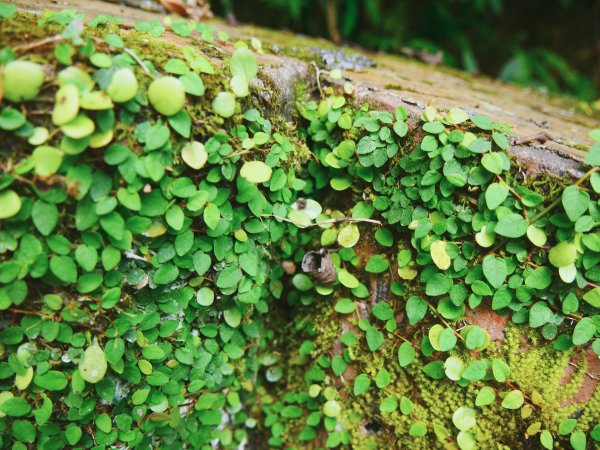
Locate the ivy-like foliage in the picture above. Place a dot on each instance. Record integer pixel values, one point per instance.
(151, 217)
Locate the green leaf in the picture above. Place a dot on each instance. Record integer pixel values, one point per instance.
(374, 339)
(480, 145)
(345, 306)
(165, 274)
(384, 237)
(256, 172)
(388, 405)
(51, 380)
(418, 429)
(495, 270)
(166, 95)
(175, 217)
(406, 354)
(205, 296)
(383, 378)
(578, 440)
(562, 254)
(340, 183)
(348, 235)
(493, 162)
(224, 104)
(7, 11)
(23, 431)
(567, 426)
(15, 407)
(10, 204)
(593, 297)
(302, 282)
(456, 116)
(539, 315)
(575, 202)
(476, 338)
(383, 311)
(181, 123)
(377, 264)
(44, 412)
(347, 279)
(243, 64)
(64, 269)
(73, 433)
(87, 257)
(46, 160)
(584, 331)
(454, 367)
(11, 119)
(361, 384)
(500, 139)
(466, 440)
(435, 370)
(229, 278)
(512, 226)
(406, 406)
(439, 255)
(193, 84)
(464, 418)
(536, 235)
(194, 155)
(513, 400)
(495, 194)
(415, 309)
(546, 440)
(44, 216)
(438, 285)
(593, 155)
(500, 370)
(212, 216)
(485, 396)
(540, 278)
(447, 340)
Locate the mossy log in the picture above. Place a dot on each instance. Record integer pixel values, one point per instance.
(549, 141)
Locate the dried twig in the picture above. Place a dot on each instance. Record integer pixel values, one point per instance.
(139, 61)
(318, 72)
(40, 43)
(538, 137)
(323, 222)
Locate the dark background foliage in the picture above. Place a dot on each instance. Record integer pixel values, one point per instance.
(549, 43)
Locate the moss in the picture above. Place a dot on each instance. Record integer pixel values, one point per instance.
(535, 367)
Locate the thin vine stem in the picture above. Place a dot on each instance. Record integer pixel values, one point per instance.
(557, 200)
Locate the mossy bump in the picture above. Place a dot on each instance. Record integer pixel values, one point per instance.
(167, 95)
(22, 80)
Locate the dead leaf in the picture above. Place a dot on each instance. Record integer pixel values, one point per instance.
(176, 7)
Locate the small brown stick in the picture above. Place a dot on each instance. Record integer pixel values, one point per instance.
(318, 73)
(40, 43)
(138, 60)
(538, 137)
(324, 222)
(586, 373)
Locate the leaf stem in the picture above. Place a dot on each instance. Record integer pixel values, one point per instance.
(557, 200)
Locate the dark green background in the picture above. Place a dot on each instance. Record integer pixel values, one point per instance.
(553, 44)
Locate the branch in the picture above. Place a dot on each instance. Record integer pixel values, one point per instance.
(323, 222)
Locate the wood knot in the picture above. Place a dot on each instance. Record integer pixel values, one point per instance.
(319, 267)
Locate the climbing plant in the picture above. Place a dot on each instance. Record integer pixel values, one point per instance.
(155, 217)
